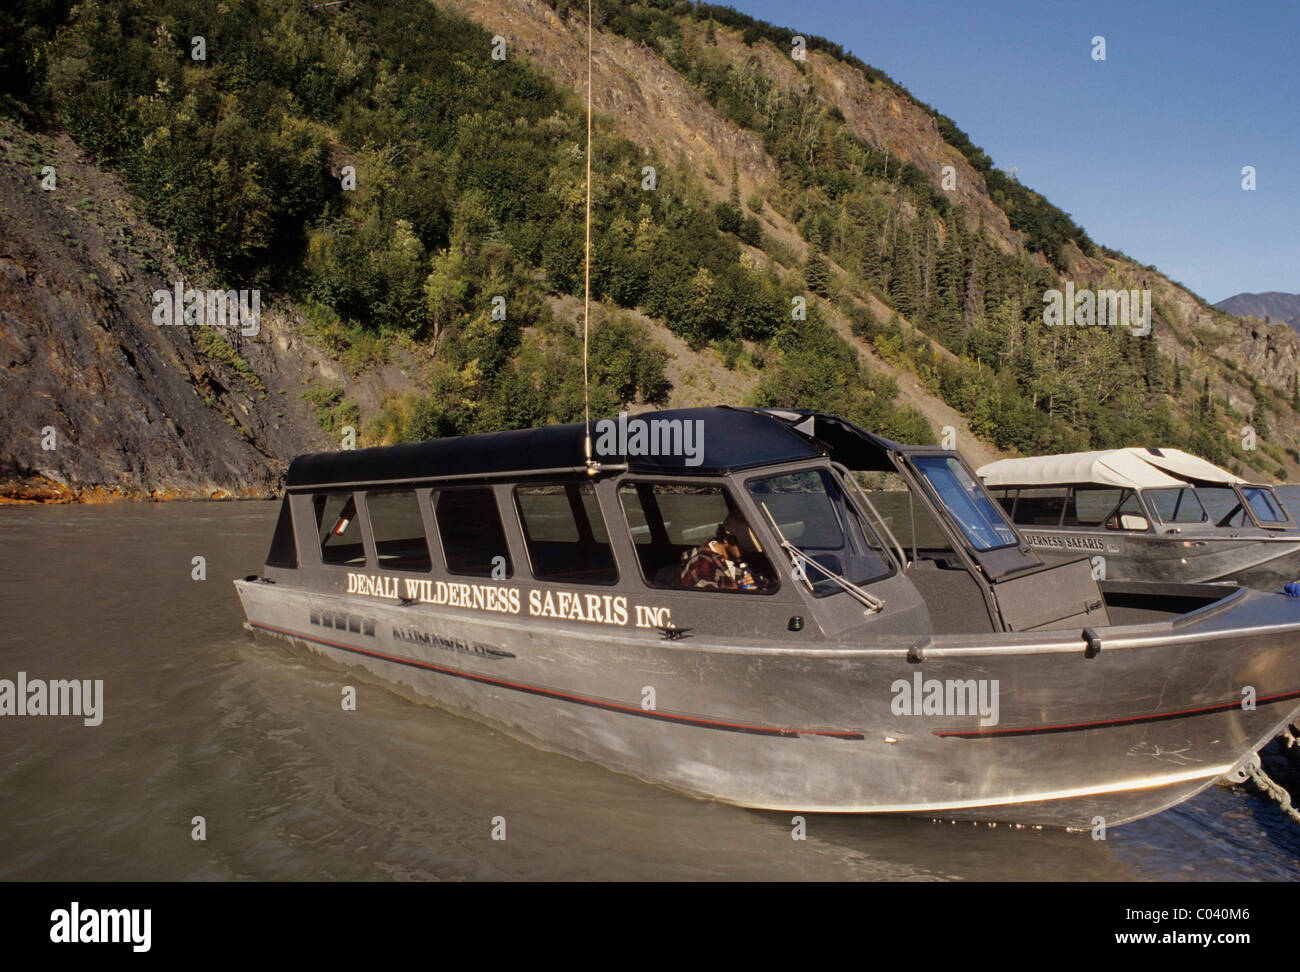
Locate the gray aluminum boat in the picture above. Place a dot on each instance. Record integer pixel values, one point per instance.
(882, 640)
(1149, 514)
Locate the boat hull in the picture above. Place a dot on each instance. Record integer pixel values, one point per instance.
(1264, 563)
(1077, 740)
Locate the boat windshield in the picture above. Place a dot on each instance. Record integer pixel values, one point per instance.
(813, 514)
(1223, 505)
(971, 508)
(1264, 504)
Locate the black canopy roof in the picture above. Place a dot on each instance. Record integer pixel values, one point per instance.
(731, 439)
(844, 442)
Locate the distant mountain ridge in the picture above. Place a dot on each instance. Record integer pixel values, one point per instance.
(1276, 305)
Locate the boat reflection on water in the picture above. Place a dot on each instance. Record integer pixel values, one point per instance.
(801, 615)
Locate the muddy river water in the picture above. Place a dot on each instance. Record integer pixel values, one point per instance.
(199, 719)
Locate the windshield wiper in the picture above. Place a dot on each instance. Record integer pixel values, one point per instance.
(803, 561)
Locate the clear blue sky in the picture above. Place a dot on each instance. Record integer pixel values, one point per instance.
(1144, 149)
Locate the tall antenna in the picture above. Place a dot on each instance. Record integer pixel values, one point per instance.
(592, 467)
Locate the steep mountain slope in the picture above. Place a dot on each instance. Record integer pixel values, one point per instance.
(777, 183)
(1211, 368)
(652, 104)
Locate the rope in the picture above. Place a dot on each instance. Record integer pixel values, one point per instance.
(586, 271)
(1271, 788)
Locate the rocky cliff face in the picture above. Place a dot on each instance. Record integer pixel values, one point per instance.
(98, 401)
(1270, 353)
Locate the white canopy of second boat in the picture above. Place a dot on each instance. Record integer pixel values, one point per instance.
(1132, 468)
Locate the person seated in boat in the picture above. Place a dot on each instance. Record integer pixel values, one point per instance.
(721, 563)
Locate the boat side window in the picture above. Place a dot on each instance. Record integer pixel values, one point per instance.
(1006, 497)
(1264, 504)
(1092, 505)
(565, 535)
(814, 515)
(469, 526)
(398, 530)
(1281, 507)
(1222, 505)
(338, 530)
(981, 520)
(1042, 506)
(1177, 505)
(693, 536)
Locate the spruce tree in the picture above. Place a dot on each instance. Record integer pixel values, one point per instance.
(817, 275)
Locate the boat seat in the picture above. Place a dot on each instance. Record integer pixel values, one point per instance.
(583, 563)
(662, 564)
(350, 554)
(469, 565)
(409, 554)
(668, 576)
